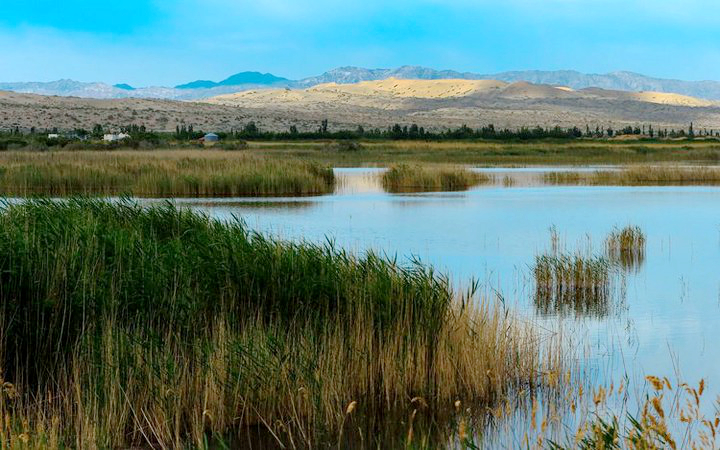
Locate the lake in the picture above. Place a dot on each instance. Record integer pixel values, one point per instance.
(664, 316)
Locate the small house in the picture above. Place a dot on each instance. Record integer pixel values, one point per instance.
(115, 137)
(53, 136)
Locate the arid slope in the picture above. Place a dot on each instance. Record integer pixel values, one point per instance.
(433, 104)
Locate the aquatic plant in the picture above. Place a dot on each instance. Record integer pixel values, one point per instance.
(125, 326)
(670, 417)
(572, 283)
(414, 178)
(626, 247)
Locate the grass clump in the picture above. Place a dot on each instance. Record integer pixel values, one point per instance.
(125, 326)
(626, 246)
(160, 174)
(572, 283)
(670, 417)
(639, 176)
(415, 178)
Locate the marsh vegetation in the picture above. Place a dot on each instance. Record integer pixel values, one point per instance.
(671, 415)
(626, 247)
(415, 178)
(159, 174)
(489, 153)
(581, 282)
(572, 284)
(126, 326)
(639, 176)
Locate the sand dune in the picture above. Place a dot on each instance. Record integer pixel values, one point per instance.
(672, 99)
(383, 93)
(413, 88)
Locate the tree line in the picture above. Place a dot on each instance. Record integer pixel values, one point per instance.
(414, 132)
(140, 136)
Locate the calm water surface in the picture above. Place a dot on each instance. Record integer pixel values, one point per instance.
(664, 318)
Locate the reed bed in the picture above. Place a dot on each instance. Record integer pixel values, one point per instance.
(626, 247)
(160, 174)
(125, 326)
(415, 178)
(572, 284)
(638, 176)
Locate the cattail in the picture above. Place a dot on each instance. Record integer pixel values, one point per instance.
(420, 401)
(657, 404)
(656, 383)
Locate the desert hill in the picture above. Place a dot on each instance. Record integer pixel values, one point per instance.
(434, 104)
(393, 89)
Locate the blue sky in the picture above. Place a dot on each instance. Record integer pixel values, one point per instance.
(164, 42)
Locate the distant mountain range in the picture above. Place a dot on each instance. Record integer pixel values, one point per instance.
(624, 81)
(240, 79)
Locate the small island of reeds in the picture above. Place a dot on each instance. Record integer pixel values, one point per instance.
(572, 283)
(626, 247)
(416, 178)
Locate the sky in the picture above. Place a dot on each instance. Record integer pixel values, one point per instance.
(168, 42)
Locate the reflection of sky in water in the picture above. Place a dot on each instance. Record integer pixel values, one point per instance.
(671, 307)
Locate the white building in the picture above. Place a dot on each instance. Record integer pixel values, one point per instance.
(115, 137)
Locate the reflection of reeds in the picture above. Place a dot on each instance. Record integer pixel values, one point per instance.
(626, 247)
(572, 283)
(638, 176)
(131, 327)
(414, 178)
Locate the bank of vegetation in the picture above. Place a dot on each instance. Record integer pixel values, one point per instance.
(639, 176)
(159, 174)
(128, 327)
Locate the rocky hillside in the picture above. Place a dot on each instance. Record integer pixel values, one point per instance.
(433, 104)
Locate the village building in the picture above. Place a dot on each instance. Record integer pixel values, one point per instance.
(114, 137)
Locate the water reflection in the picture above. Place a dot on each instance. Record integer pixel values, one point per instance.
(358, 181)
(661, 314)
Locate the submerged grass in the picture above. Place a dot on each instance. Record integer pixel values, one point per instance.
(125, 326)
(415, 178)
(626, 247)
(572, 283)
(159, 174)
(639, 176)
